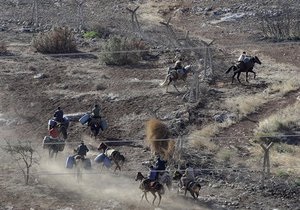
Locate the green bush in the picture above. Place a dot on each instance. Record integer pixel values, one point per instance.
(58, 40)
(90, 35)
(123, 51)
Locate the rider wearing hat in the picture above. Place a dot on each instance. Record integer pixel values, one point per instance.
(59, 115)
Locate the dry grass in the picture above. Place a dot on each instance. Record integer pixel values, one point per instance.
(244, 105)
(157, 134)
(285, 117)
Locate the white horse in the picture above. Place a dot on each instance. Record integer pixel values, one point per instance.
(174, 75)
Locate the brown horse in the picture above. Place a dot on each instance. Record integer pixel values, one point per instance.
(244, 67)
(112, 154)
(192, 186)
(174, 75)
(146, 186)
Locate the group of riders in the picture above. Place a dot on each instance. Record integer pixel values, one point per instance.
(159, 169)
(179, 68)
(60, 120)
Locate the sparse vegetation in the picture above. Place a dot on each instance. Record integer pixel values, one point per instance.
(24, 154)
(281, 24)
(123, 51)
(90, 35)
(58, 40)
(3, 48)
(283, 122)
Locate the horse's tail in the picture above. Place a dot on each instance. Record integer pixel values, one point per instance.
(165, 81)
(231, 67)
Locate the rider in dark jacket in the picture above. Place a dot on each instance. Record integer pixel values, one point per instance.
(59, 115)
(160, 166)
(82, 149)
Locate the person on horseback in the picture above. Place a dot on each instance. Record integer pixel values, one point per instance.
(152, 177)
(82, 150)
(160, 166)
(59, 115)
(179, 67)
(188, 176)
(243, 59)
(96, 111)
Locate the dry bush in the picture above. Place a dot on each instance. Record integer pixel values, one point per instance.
(157, 138)
(58, 40)
(3, 48)
(123, 51)
(281, 24)
(289, 84)
(244, 105)
(285, 121)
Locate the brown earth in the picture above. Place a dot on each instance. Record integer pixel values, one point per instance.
(129, 96)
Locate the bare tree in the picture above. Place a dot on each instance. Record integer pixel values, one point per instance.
(24, 155)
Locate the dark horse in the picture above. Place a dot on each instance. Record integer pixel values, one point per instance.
(192, 186)
(95, 126)
(146, 186)
(244, 67)
(174, 75)
(112, 154)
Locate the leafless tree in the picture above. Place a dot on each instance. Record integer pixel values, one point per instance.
(24, 155)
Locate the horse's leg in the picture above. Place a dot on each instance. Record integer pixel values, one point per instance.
(153, 193)
(185, 191)
(238, 76)
(146, 197)
(159, 196)
(192, 193)
(176, 87)
(233, 77)
(247, 76)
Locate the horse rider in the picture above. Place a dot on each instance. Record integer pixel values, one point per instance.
(188, 176)
(160, 166)
(96, 111)
(244, 58)
(152, 177)
(82, 150)
(59, 115)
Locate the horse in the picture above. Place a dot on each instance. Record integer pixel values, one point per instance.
(53, 150)
(114, 155)
(146, 186)
(192, 186)
(174, 75)
(95, 127)
(165, 179)
(244, 67)
(79, 165)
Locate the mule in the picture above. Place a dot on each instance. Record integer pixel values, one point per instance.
(192, 186)
(244, 67)
(174, 75)
(79, 166)
(53, 150)
(95, 127)
(146, 186)
(112, 154)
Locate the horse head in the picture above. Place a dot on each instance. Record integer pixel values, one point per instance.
(256, 60)
(188, 69)
(102, 146)
(177, 175)
(139, 176)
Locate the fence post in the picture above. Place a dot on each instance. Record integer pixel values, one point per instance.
(266, 162)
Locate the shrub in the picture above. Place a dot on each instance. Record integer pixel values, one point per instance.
(281, 25)
(122, 51)
(90, 35)
(3, 48)
(101, 31)
(58, 40)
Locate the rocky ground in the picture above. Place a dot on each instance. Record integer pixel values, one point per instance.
(33, 85)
